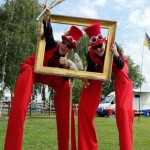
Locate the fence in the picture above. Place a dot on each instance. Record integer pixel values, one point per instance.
(35, 109)
(32, 110)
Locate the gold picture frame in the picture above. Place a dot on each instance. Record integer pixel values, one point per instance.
(104, 76)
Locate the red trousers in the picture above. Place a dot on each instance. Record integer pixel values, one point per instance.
(88, 105)
(22, 95)
(124, 114)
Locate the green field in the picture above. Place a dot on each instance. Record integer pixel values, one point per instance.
(40, 133)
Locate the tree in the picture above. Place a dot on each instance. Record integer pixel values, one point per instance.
(76, 90)
(43, 95)
(19, 32)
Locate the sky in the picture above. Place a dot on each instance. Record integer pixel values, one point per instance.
(133, 20)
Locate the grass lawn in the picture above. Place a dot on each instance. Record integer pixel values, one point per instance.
(40, 133)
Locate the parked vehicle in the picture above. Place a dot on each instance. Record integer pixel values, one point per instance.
(141, 103)
(106, 104)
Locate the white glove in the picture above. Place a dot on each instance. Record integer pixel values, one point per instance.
(78, 61)
(72, 65)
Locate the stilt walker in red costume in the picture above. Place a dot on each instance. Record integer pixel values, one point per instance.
(55, 56)
(90, 97)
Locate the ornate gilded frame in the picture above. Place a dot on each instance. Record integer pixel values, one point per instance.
(106, 24)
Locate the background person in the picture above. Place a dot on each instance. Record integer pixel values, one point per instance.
(90, 96)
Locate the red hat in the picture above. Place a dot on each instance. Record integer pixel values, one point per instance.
(94, 33)
(73, 36)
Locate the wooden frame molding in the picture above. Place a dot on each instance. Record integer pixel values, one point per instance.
(106, 24)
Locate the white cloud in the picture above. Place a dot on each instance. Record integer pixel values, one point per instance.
(138, 3)
(87, 8)
(121, 2)
(139, 18)
(88, 11)
(134, 18)
(127, 7)
(95, 2)
(145, 21)
(99, 2)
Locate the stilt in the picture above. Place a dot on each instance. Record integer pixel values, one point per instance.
(70, 113)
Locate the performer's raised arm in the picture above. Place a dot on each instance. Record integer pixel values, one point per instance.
(48, 31)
